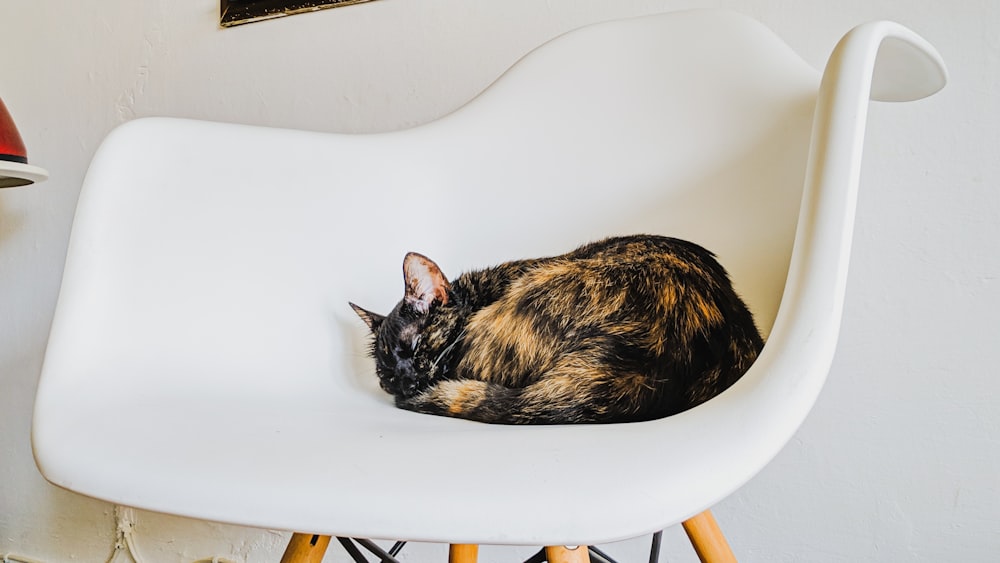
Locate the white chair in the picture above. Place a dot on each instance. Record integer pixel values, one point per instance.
(203, 360)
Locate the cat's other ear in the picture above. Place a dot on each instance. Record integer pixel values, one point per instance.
(425, 284)
(373, 320)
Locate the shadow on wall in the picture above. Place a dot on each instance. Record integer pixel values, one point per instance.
(10, 223)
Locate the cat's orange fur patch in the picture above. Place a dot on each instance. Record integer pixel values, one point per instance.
(464, 395)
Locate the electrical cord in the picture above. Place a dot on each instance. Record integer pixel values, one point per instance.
(125, 526)
(124, 542)
(11, 558)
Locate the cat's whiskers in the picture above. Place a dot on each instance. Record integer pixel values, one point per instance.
(447, 349)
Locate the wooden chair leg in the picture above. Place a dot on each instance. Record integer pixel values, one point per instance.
(560, 554)
(463, 553)
(707, 539)
(305, 548)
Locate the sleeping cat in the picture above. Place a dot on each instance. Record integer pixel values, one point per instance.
(625, 329)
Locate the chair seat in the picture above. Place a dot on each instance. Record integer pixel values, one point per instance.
(354, 466)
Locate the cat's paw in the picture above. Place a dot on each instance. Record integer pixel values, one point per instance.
(403, 385)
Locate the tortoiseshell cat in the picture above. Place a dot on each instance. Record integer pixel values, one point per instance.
(625, 329)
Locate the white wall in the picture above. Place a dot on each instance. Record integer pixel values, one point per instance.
(900, 459)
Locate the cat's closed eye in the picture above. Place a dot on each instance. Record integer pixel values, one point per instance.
(404, 351)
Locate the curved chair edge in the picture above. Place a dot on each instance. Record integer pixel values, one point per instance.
(879, 60)
(907, 67)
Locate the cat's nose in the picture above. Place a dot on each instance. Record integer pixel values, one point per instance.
(407, 378)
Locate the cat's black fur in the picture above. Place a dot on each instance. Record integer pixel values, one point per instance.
(624, 329)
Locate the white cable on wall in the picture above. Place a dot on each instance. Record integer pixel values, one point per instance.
(124, 530)
(124, 542)
(11, 558)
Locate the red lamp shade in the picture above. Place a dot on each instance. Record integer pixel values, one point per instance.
(11, 145)
(14, 167)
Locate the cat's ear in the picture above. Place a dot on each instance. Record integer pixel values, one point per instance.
(425, 284)
(373, 320)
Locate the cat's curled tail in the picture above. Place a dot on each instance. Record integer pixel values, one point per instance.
(570, 393)
(580, 388)
(494, 403)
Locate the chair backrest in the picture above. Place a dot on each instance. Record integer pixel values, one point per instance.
(205, 244)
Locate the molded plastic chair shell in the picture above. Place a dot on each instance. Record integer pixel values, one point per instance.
(203, 360)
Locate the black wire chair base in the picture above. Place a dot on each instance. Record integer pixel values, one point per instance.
(382, 555)
(596, 555)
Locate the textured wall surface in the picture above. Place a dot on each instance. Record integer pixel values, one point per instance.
(898, 461)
